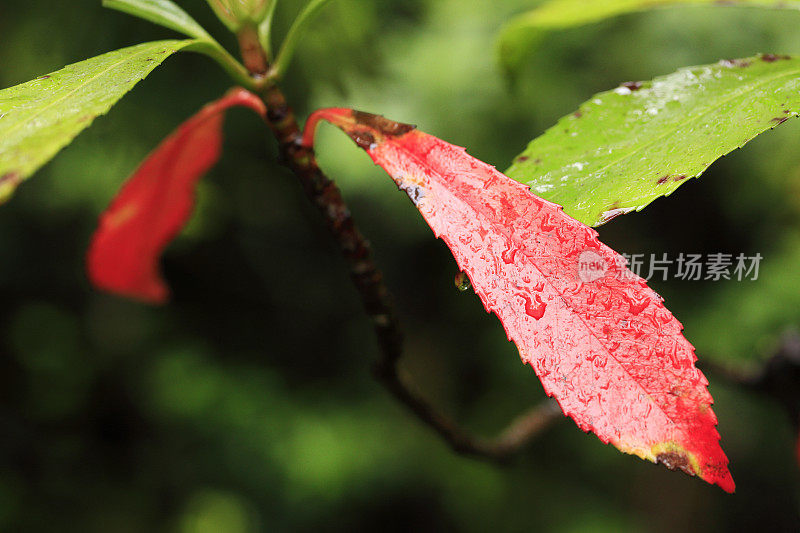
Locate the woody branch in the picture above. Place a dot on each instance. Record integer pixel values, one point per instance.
(368, 281)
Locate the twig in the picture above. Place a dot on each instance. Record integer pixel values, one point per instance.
(377, 301)
(368, 280)
(499, 449)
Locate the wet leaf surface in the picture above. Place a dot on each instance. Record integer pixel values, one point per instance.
(156, 202)
(40, 117)
(599, 339)
(626, 147)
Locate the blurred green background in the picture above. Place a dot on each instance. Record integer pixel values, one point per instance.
(247, 403)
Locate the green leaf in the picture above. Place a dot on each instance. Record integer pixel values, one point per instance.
(225, 14)
(167, 13)
(524, 31)
(40, 117)
(265, 29)
(163, 12)
(624, 148)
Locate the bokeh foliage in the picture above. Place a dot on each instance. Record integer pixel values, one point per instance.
(247, 404)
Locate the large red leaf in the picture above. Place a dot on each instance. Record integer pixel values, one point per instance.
(599, 339)
(156, 202)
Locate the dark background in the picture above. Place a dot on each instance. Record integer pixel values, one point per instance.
(247, 403)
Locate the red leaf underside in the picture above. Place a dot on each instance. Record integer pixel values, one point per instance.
(156, 202)
(599, 339)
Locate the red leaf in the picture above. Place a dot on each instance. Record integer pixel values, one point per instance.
(156, 202)
(599, 339)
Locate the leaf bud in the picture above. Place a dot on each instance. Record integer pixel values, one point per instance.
(238, 13)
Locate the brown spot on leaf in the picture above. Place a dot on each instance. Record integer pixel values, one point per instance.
(382, 124)
(675, 461)
(363, 138)
(577, 114)
(632, 85)
(730, 63)
(779, 120)
(678, 391)
(522, 158)
(10, 176)
(666, 177)
(10, 179)
(771, 58)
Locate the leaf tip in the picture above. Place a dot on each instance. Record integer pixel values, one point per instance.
(713, 469)
(142, 283)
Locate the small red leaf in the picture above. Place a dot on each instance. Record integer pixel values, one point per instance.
(156, 202)
(599, 339)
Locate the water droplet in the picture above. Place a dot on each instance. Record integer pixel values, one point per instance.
(508, 254)
(534, 307)
(637, 306)
(545, 225)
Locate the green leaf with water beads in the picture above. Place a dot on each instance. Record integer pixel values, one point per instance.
(40, 117)
(624, 148)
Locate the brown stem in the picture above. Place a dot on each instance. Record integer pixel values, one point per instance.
(499, 449)
(253, 56)
(368, 280)
(327, 198)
